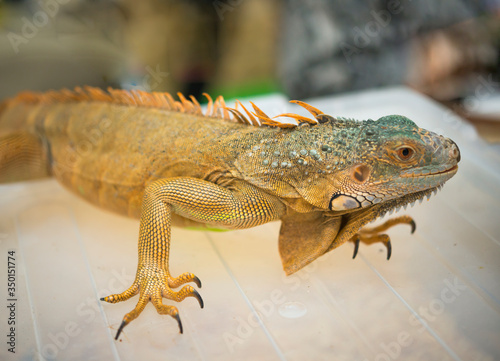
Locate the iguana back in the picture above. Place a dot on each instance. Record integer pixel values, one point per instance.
(107, 151)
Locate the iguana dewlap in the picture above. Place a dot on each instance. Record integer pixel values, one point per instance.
(168, 163)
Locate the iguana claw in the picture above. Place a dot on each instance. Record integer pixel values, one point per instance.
(178, 318)
(123, 324)
(198, 297)
(356, 247)
(372, 235)
(153, 285)
(389, 249)
(413, 226)
(384, 238)
(197, 281)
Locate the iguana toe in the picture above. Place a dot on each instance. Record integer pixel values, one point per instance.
(373, 235)
(153, 285)
(383, 238)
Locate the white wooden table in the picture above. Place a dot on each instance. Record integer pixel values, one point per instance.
(438, 298)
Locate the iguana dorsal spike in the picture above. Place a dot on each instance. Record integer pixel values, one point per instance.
(268, 121)
(117, 95)
(137, 97)
(209, 105)
(314, 111)
(171, 100)
(161, 98)
(299, 118)
(165, 101)
(179, 107)
(253, 120)
(216, 112)
(197, 105)
(186, 104)
(260, 114)
(223, 109)
(96, 93)
(237, 114)
(79, 92)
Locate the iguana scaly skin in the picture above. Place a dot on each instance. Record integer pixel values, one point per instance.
(165, 162)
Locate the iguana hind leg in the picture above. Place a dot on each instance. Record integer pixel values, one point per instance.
(242, 206)
(375, 235)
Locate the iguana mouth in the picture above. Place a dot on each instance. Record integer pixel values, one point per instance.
(431, 173)
(370, 214)
(452, 169)
(343, 203)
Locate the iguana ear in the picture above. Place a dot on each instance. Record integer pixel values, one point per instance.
(304, 237)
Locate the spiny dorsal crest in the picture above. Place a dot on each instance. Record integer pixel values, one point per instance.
(139, 98)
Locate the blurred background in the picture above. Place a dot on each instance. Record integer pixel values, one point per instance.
(448, 50)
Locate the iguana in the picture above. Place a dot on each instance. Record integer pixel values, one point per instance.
(167, 162)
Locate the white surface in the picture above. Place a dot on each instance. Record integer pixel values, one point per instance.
(438, 298)
(489, 106)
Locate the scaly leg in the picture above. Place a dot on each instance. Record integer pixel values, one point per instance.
(373, 235)
(241, 207)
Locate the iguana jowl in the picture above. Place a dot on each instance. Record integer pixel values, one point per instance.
(148, 156)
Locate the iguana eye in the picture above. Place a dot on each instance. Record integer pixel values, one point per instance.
(405, 153)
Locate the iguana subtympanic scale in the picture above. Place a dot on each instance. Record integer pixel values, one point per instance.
(166, 162)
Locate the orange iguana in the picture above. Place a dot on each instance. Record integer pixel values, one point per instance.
(166, 162)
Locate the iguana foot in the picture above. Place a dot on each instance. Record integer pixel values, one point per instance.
(373, 235)
(153, 284)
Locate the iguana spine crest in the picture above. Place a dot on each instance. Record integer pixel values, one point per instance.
(163, 100)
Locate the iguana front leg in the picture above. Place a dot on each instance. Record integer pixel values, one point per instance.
(240, 206)
(374, 235)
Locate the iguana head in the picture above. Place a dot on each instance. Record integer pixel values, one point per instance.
(363, 171)
(336, 175)
(343, 165)
(391, 158)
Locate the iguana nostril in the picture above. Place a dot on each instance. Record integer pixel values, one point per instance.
(454, 151)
